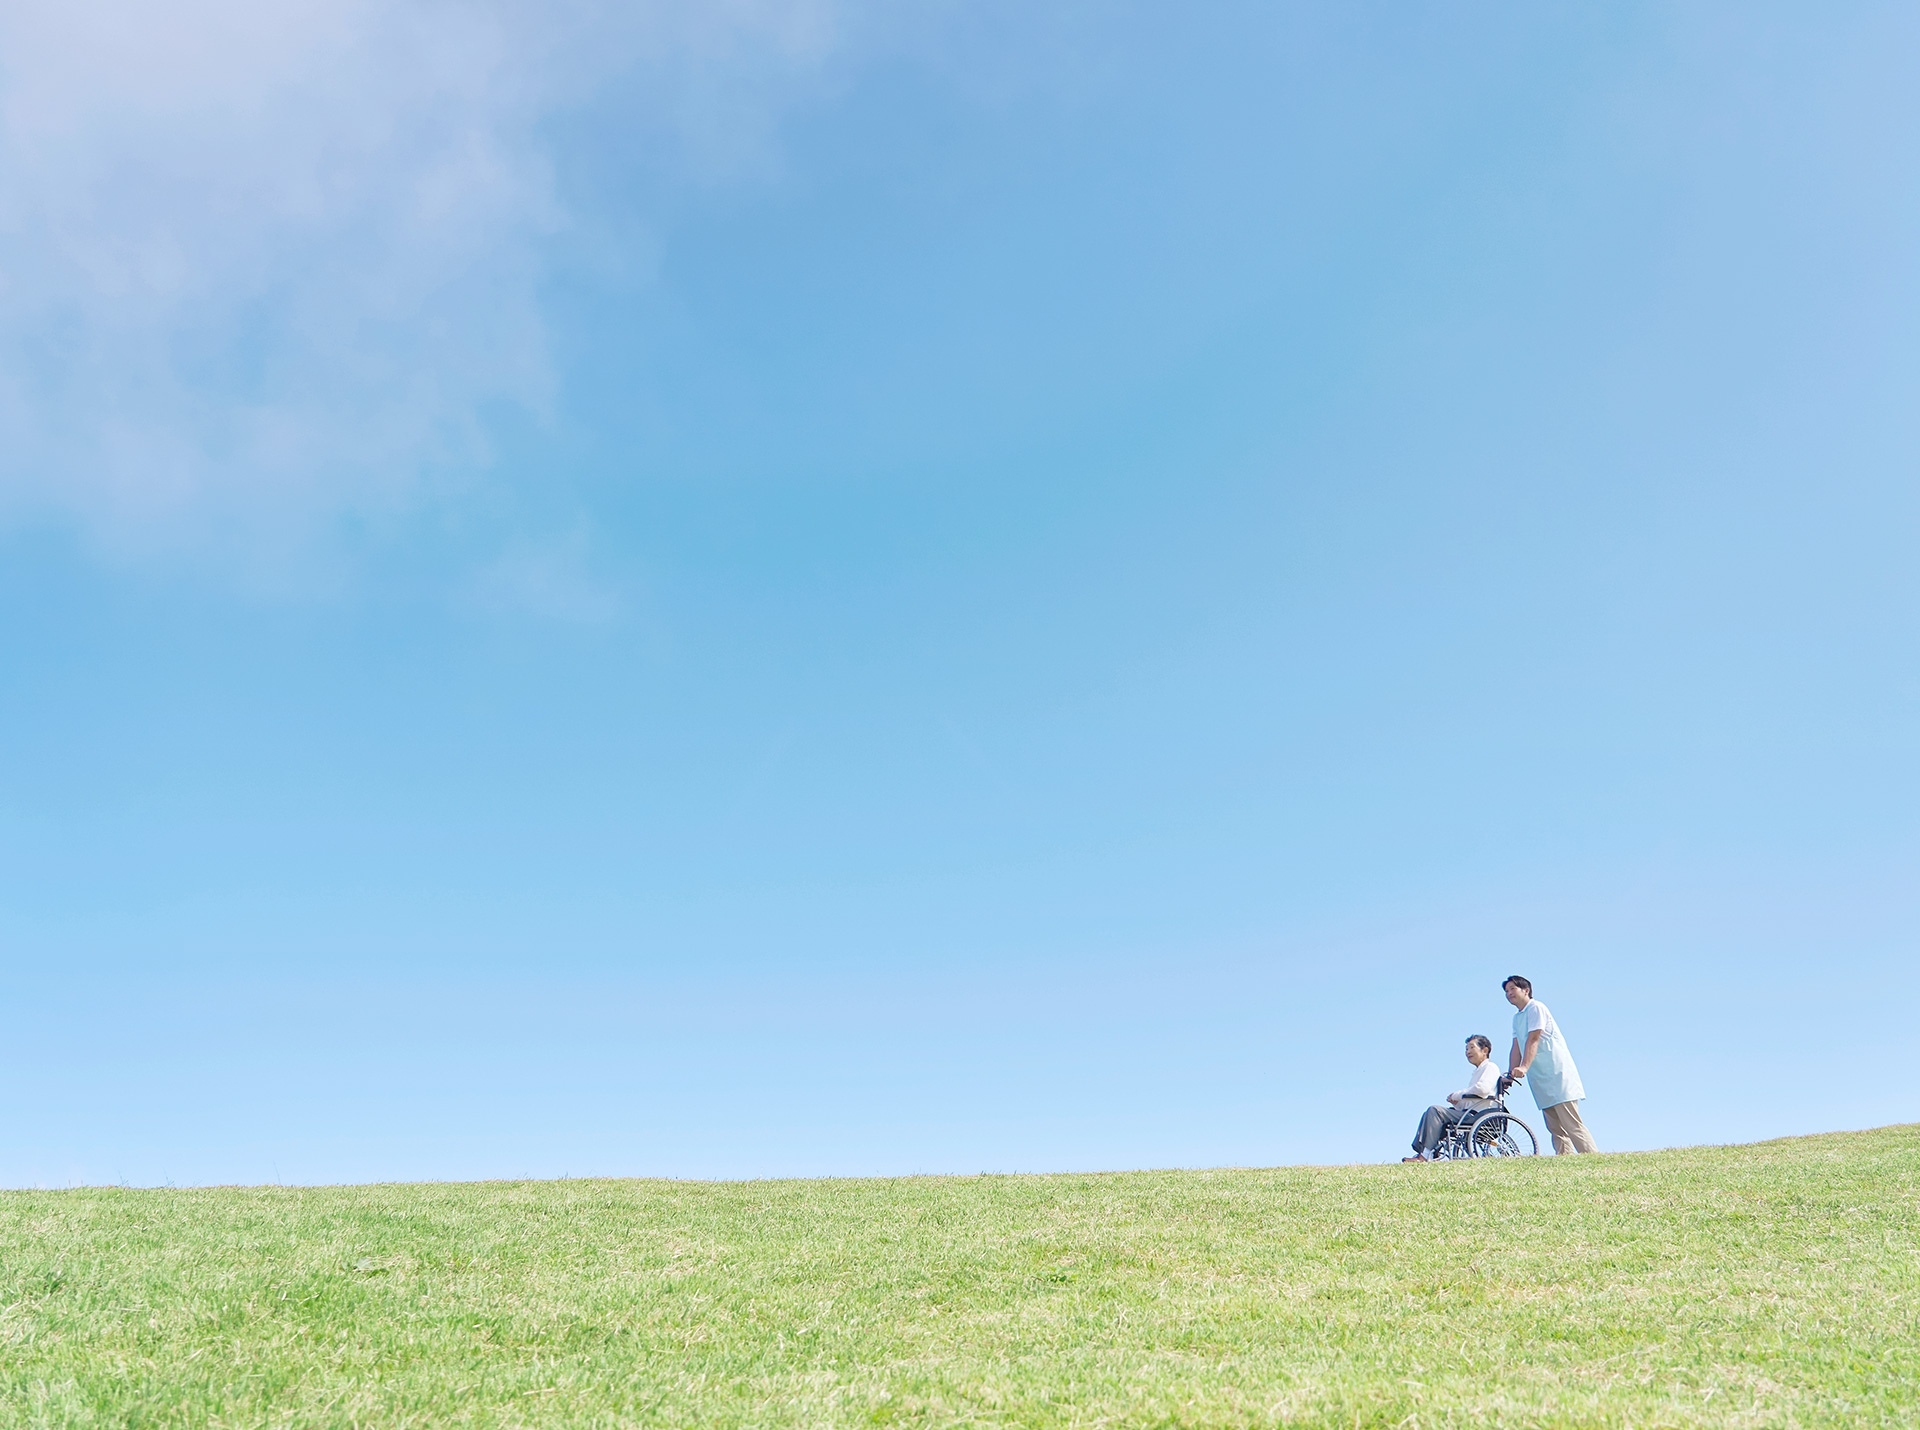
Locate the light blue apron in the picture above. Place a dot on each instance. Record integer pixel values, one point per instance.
(1552, 1076)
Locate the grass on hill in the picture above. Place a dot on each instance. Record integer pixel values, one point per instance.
(1735, 1286)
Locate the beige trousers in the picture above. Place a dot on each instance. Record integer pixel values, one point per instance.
(1569, 1132)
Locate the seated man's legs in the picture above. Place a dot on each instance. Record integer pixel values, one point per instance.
(1433, 1122)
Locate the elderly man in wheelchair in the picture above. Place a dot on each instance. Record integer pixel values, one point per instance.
(1473, 1122)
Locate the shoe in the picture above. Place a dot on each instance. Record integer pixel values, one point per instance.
(1416, 1159)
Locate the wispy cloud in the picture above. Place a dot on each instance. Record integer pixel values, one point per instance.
(265, 264)
(550, 578)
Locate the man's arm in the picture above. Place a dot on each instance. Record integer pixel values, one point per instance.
(1521, 1064)
(1513, 1060)
(1481, 1086)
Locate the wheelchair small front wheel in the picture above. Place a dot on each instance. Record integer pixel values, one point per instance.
(1501, 1134)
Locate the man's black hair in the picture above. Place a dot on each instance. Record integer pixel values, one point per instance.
(1525, 987)
(1482, 1041)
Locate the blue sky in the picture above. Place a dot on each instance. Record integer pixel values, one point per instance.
(800, 588)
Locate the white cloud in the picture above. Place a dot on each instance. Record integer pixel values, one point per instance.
(263, 264)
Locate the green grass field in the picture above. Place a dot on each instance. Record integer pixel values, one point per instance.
(1776, 1284)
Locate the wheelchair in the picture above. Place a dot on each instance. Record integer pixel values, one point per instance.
(1489, 1131)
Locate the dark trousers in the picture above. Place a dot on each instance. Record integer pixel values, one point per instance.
(1434, 1121)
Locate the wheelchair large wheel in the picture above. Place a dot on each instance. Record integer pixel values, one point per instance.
(1501, 1134)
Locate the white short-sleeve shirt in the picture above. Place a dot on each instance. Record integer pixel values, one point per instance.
(1553, 1077)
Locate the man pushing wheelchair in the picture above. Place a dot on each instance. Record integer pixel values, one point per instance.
(1475, 1122)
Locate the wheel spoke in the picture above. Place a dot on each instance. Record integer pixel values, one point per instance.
(1500, 1135)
